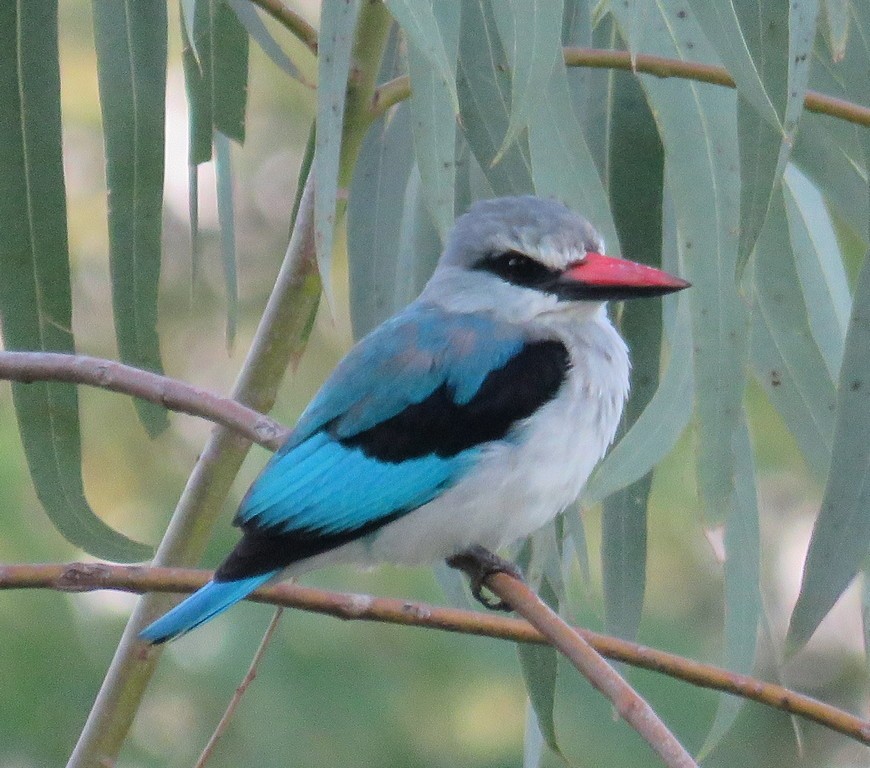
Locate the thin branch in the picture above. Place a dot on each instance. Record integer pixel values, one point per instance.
(85, 577)
(398, 89)
(27, 367)
(632, 707)
(291, 21)
(240, 690)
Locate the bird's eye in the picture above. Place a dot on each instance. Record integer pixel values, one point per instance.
(517, 268)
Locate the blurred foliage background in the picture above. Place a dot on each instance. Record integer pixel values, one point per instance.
(327, 692)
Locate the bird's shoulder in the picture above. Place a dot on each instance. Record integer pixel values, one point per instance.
(403, 361)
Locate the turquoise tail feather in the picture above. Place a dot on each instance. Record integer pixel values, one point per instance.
(213, 599)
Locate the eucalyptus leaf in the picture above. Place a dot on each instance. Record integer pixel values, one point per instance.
(337, 26)
(841, 535)
(698, 127)
(785, 354)
(226, 222)
(419, 243)
(434, 118)
(35, 303)
(532, 37)
(820, 269)
(658, 427)
(636, 178)
(131, 44)
(742, 585)
(539, 665)
(837, 18)
(377, 194)
(562, 165)
(484, 85)
(424, 25)
(259, 32)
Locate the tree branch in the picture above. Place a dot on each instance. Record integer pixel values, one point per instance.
(27, 367)
(398, 89)
(85, 577)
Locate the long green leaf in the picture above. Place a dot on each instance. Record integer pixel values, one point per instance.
(837, 17)
(698, 129)
(484, 86)
(829, 152)
(660, 425)
(785, 355)
(562, 165)
(419, 243)
(434, 118)
(841, 535)
(377, 194)
(35, 305)
(423, 25)
(540, 665)
(636, 179)
(259, 32)
(131, 39)
(820, 269)
(532, 37)
(216, 76)
(742, 585)
(337, 25)
(226, 221)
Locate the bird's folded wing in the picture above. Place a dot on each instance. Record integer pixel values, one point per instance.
(403, 417)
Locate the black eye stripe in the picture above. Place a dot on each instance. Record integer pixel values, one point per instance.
(518, 269)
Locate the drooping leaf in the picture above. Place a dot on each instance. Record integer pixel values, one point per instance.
(837, 17)
(337, 25)
(727, 27)
(376, 198)
(431, 31)
(635, 184)
(698, 127)
(131, 40)
(259, 32)
(539, 665)
(533, 740)
(531, 35)
(562, 165)
(785, 355)
(829, 152)
(419, 244)
(35, 304)
(434, 118)
(742, 585)
(484, 86)
(226, 221)
(216, 77)
(660, 424)
(841, 535)
(820, 269)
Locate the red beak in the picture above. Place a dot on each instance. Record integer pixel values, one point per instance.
(604, 277)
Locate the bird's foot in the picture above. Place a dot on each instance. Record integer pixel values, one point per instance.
(478, 563)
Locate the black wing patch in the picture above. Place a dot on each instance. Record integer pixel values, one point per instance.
(438, 425)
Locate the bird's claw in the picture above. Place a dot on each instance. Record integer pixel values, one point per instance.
(478, 563)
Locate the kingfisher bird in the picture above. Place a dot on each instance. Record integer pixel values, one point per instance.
(460, 425)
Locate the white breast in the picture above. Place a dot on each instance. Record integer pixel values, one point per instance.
(519, 486)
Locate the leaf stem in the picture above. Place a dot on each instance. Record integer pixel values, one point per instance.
(86, 577)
